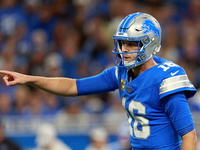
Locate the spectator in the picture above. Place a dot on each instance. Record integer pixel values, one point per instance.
(5, 105)
(5, 143)
(46, 139)
(98, 139)
(123, 138)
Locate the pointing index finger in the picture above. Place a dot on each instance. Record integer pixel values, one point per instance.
(5, 72)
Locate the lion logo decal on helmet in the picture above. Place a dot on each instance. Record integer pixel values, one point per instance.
(149, 26)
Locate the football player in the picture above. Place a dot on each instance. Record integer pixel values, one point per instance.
(153, 91)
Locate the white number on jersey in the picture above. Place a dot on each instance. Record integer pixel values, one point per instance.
(167, 65)
(144, 122)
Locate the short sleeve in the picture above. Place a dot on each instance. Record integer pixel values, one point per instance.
(175, 81)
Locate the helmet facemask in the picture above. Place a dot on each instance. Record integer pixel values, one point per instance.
(118, 55)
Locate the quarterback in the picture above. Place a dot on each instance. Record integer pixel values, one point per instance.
(153, 91)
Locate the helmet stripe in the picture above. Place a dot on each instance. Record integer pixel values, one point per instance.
(126, 22)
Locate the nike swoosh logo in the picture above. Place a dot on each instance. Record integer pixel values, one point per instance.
(174, 73)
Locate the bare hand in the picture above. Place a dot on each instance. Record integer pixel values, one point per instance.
(12, 78)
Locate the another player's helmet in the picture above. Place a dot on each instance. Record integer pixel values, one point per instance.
(144, 29)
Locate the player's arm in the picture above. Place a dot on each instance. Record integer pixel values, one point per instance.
(189, 141)
(101, 83)
(58, 86)
(178, 111)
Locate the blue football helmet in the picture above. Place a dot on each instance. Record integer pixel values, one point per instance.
(144, 29)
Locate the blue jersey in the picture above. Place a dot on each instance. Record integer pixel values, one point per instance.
(150, 125)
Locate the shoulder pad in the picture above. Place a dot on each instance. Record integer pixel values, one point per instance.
(174, 80)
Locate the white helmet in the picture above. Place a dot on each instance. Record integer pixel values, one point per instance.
(144, 29)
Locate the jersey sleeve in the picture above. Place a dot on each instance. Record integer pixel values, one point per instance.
(98, 84)
(178, 111)
(176, 80)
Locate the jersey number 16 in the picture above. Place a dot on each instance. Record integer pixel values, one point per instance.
(136, 120)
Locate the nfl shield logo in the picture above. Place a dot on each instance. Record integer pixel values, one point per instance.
(129, 89)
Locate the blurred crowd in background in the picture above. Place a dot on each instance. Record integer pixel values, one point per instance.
(73, 38)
